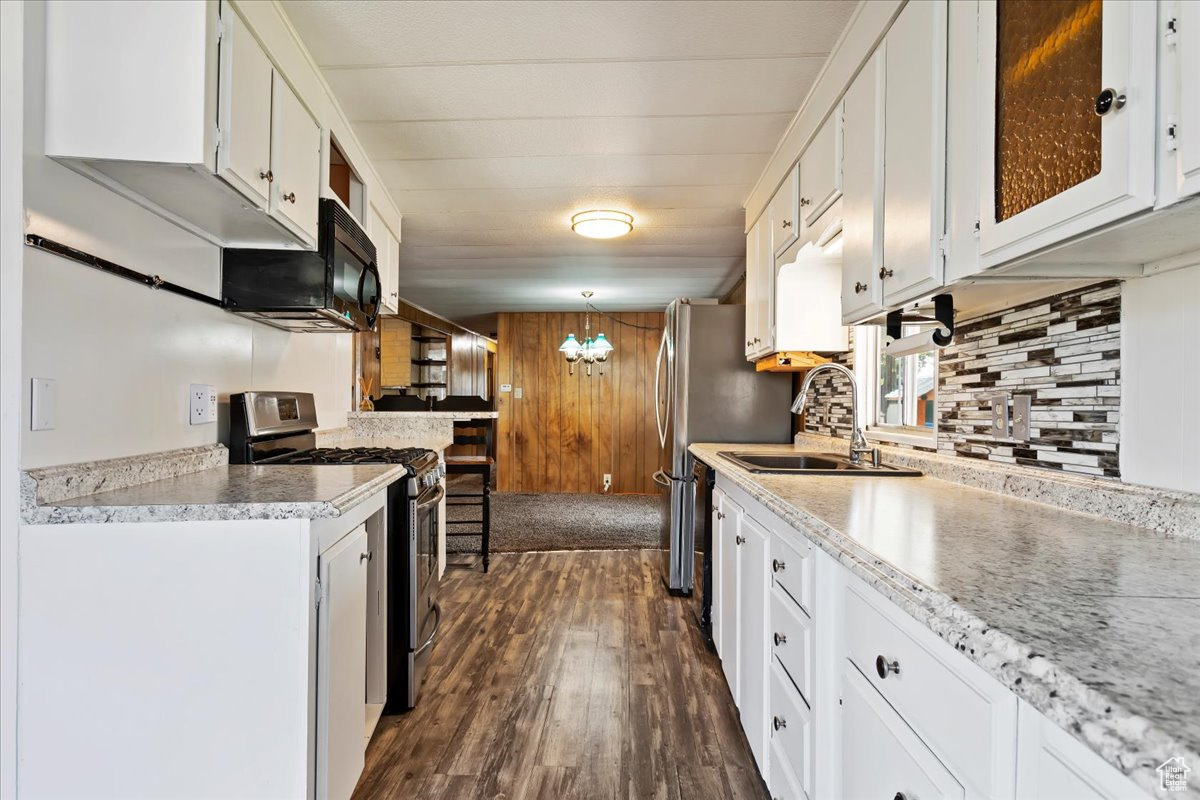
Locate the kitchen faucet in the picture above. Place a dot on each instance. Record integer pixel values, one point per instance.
(858, 442)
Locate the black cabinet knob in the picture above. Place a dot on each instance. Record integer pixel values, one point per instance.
(1108, 100)
(780, 639)
(777, 565)
(900, 796)
(883, 666)
(779, 722)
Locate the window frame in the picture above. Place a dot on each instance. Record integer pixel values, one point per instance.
(868, 345)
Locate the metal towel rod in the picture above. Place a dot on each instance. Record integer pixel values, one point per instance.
(89, 260)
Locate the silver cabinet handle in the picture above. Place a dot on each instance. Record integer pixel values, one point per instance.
(787, 223)
(884, 272)
(777, 565)
(367, 556)
(780, 639)
(267, 176)
(740, 539)
(804, 201)
(860, 287)
(883, 667)
(779, 722)
(290, 197)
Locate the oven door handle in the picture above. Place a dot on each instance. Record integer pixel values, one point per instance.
(438, 494)
(437, 626)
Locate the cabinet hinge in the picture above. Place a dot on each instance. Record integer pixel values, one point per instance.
(1172, 133)
(220, 30)
(319, 591)
(943, 246)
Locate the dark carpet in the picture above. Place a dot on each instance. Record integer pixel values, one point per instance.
(523, 523)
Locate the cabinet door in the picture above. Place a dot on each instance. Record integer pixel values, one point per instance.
(718, 564)
(881, 756)
(387, 257)
(244, 111)
(754, 582)
(862, 186)
(1068, 118)
(295, 161)
(914, 185)
(821, 174)
(752, 280)
(342, 666)
(1187, 137)
(784, 213)
(730, 553)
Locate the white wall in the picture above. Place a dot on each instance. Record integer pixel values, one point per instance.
(1160, 380)
(123, 355)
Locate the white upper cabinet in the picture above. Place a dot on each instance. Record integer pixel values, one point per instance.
(760, 289)
(186, 117)
(387, 257)
(914, 160)
(244, 152)
(295, 161)
(821, 175)
(784, 213)
(862, 193)
(1180, 30)
(1067, 122)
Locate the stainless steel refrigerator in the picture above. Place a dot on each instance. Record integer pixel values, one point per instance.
(706, 391)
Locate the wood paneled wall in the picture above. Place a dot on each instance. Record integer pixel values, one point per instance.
(566, 431)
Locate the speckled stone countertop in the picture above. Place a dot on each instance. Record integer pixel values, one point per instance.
(1095, 623)
(228, 492)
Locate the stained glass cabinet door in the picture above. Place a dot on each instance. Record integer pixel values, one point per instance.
(1067, 120)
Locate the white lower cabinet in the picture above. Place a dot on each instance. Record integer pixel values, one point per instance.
(342, 665)
(842, 694)
(881, 756)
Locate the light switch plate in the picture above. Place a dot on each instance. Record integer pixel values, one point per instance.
(517, 393)
(1000, 417)
(44, 404)
(202, 404)
(1022, 407)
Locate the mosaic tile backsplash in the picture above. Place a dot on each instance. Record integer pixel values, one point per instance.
(1064, 351)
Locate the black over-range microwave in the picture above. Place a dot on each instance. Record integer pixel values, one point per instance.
(334, 289)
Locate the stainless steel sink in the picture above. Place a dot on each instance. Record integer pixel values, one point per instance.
(811, 464)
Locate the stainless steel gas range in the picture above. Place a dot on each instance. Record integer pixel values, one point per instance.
(276, 428)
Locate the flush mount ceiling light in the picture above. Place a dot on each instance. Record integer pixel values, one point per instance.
(602, 224)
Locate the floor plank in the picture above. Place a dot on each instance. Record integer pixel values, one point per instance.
(565, 675)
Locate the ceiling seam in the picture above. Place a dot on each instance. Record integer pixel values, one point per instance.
(537, 62)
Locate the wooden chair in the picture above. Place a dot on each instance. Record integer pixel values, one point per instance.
(475, 433)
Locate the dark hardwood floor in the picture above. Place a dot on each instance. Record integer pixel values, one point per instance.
(565, 675)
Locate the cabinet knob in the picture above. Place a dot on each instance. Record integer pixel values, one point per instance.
(365, 556)
(787, 223)
(740, 539)
(267, 176)
(883, 667)
(804, 201)
(884, 272)
(779, 722)
(1107, 100)
(290, 197)
(780, 639)
(757, 340)
(720, 515)
(859, 287)
(900, 796)
(777, 565)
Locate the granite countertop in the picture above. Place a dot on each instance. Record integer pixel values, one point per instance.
(1095, 623)
(423, 415)
(435, 443)
(228, 492)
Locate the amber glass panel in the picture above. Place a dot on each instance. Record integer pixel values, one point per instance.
(1047, 78)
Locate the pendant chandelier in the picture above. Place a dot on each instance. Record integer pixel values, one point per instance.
(589, 351)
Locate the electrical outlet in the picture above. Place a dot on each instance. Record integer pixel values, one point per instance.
(607, 481)
(202, 404)
(44, 404)
(1000, 417)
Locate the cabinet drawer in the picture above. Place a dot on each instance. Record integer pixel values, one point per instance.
(784, 213)
(780, 781)
(881, 756)
(790, 723)
(965, 716)
(791, 641)
(792, 568)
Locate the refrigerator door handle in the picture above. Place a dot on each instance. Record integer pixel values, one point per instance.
(658, 401)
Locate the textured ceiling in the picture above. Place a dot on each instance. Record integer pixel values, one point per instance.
(493, 122)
